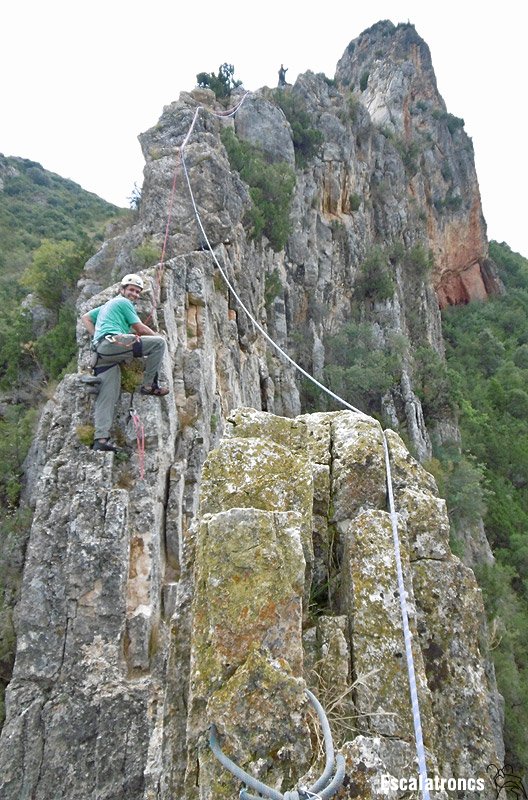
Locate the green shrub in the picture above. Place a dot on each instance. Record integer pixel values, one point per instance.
(55, 270)
(329, 81)
(131, 375)
(432, 382)
(520, 357)
(359, 369)
(451, 202)
(353, 104)
(513, 267)
(453, 123)
(363, 81)
(419, 261)
(355, 202)
(272, 287)
(374, 281)
(447, 172)
(517, 403)
(271, 189)
(16, 431)
(306, 139)
(222, 84)
(56, 351)
(85, 434)
(396, 252)
(409, 152)
(147, 254)
(387, 132)
(15, 332)
(38, 176)
(465, 490)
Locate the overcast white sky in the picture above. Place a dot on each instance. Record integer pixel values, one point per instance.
(81, 81)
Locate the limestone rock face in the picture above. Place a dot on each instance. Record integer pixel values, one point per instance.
(138, 630)
(392, 68)
(249, 554)
(351, 651)
(265, 126)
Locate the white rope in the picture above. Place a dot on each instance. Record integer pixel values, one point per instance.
(241, 303)
(224, 114)
(420, 750)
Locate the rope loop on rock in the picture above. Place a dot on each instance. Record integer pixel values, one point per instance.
(324, 787)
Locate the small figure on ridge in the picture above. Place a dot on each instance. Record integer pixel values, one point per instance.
(282, 75)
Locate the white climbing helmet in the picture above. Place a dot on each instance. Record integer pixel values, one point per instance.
(133, 280)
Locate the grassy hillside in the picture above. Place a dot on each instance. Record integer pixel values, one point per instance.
(36, 204)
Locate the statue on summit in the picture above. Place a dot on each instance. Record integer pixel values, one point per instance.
(282, 75)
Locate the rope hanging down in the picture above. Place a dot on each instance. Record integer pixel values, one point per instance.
(420, 749)
(139, 429)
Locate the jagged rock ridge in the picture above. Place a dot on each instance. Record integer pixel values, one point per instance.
(139, 622)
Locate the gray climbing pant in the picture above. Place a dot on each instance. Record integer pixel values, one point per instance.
(111, 354)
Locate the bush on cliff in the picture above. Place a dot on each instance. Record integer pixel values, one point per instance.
(270, 187)
(222, 84)
(307, 140)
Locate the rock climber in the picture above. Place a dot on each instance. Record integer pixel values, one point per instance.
(282, 75)
(118, 336)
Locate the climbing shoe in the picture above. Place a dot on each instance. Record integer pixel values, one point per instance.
(154, 390)
(104, 444)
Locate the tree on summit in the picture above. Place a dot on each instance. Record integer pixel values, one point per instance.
(222, 84)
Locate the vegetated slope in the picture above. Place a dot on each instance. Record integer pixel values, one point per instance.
(36, 204)
(487, 352)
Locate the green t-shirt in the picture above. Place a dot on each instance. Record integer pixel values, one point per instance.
(116, 316)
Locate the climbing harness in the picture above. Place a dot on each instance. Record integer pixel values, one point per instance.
(130, 341)
(324, 787)
(420, 750)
